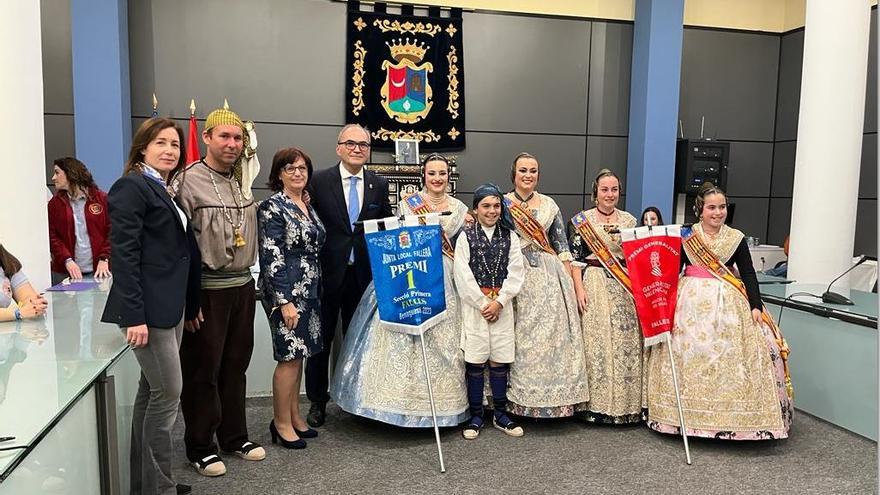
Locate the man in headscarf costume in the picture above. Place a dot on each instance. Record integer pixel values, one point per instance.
(216, 351)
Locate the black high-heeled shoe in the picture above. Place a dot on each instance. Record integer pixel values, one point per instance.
(287, 444)
(308, 433)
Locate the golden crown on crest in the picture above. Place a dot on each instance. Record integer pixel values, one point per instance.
(404, 49)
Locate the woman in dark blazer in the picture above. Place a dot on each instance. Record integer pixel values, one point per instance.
(155, 281)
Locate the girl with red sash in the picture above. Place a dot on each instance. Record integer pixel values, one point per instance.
(548, 376)
(729, 355)
(612, 337)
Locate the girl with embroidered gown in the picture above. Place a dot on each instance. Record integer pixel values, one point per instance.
(729, 355)
(612, 336)
(381, 373)
(548, 375)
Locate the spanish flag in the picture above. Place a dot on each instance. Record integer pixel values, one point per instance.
(193, 152)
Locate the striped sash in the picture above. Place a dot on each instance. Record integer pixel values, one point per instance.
(529, 226)
(598, 247)
(417, 204)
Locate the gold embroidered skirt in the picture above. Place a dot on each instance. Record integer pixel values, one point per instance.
(730, 373)
(613, 347)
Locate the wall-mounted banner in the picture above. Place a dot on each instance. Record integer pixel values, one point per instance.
(405, 76)
(653, 256)
(407, 265)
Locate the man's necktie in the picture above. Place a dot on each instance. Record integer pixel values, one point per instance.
(354, 207)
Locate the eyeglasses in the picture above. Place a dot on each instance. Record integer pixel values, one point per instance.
(293, 169)
(351, 145)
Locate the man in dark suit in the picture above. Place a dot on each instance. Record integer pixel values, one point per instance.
(342, 195)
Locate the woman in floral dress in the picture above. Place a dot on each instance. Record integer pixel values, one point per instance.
(290, 236)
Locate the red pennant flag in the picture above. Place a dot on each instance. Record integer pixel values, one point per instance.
(193, 153)
(652, 260)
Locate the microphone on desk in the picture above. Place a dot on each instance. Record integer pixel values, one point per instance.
(835, 298)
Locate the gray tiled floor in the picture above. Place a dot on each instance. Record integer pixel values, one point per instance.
(353, 455)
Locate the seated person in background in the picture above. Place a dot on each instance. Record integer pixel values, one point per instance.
(781, 268)
(15, 288)
(79, 227)
(651, 216)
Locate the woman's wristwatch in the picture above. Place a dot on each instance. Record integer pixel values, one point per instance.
(17, 313)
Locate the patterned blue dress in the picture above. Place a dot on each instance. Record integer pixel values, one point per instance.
(290, 272)
(380, 373)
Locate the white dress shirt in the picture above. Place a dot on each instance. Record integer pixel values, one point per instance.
(476, 331)
(346, 178)
(466, 284)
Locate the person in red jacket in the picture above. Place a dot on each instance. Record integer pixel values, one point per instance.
(79, 227)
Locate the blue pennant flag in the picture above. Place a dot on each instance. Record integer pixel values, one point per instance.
(407, 265)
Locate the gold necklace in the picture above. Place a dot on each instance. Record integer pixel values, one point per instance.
(237, 239)
(710, 234)
(435, 201)
(711, 239)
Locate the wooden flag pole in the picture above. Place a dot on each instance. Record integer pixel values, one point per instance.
(682, 426)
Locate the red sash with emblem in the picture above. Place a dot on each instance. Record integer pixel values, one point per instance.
(598, 247)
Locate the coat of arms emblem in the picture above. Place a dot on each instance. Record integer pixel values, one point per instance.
(405, 76)
(655, 264)
(403, 239)
(406, 94)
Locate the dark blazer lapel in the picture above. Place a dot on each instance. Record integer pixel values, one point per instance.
(371, 191)
(163, 194)
(339, 195)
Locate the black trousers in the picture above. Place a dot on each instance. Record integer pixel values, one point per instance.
(343, 300)
(214, 360)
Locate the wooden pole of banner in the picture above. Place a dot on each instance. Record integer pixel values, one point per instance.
(682, 426)
(431, 398)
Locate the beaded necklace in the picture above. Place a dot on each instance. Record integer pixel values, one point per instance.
(237, 238)
(494, 271)
(436, 204)
(711, 240)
